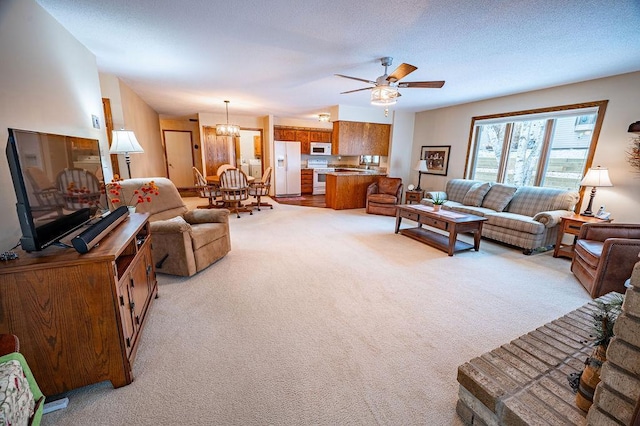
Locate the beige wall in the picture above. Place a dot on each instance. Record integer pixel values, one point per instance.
(130, 112)
(49, 82)
(451, 126)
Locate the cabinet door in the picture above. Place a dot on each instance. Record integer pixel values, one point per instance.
(303, 137)
(139, 284)
(281, 134)
(320, 136)
(126, 313)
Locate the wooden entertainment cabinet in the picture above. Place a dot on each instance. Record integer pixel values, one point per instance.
(79, 316)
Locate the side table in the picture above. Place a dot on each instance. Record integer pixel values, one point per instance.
(571, 225)
(413, 196)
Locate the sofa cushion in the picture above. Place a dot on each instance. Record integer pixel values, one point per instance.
(458, 188)
(529, 200)
(478, 211)
(382, 199)
(499, 196)
(476, 194)
(205, 233)
(516, 222)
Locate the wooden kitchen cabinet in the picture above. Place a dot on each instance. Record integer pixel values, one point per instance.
(303, 137)
(356, 138)
(284, 134)
(306, 176)
(320, 136)
(79, 317)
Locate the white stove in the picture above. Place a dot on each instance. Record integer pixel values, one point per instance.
(320, 168)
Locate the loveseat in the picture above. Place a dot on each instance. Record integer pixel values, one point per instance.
(183, 241)
(525, 217)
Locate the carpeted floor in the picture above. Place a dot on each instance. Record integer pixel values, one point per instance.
(323, 317)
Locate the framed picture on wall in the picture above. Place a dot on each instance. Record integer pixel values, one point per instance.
(437, 159)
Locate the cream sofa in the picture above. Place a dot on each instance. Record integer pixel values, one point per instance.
(525, 217)
(183, 241)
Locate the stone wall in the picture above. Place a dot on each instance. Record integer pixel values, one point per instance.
(619, 390)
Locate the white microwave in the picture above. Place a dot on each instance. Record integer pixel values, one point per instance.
(320, 148)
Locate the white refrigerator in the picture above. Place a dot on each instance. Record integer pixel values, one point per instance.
(287, 170)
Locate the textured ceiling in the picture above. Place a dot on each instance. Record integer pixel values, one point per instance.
(279, 57)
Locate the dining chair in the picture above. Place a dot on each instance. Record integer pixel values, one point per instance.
(80, 189)
(235, 189)
(260, 189)
(205, 189)
(223, 168)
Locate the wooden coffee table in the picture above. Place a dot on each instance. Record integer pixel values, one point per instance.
(445, 220)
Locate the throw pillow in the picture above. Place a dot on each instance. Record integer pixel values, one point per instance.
(499, 196)
(476, 194)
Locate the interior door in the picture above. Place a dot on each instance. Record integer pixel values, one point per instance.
(179, 157)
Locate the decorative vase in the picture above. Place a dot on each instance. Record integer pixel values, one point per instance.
(132, 209)
(590, 378)
(436, 207)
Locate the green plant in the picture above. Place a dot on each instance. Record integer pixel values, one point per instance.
(604, 319)
(438, 199)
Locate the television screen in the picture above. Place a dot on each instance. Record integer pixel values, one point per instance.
(58, 182)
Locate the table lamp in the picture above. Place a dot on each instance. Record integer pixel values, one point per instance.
(125, 142)
(595, 177)
(420, 167)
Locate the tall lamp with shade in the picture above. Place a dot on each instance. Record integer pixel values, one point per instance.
(420, 167)
(125, 142)
(595, 177)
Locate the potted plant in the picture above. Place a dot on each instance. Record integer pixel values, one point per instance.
(603, 321)
(438, 200)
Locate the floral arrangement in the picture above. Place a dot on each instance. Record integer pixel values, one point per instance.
(141, 195)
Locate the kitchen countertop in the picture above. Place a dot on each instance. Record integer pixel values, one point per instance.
(356, 172)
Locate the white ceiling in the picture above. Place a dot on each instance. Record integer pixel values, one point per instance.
(279, 57)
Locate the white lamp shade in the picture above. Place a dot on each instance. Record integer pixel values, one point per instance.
(421, 166)
(124, 142)
(598, 176)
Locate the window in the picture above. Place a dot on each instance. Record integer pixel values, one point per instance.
(550, 147)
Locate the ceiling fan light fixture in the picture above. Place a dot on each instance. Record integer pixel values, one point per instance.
(227, 129)
(384, 95)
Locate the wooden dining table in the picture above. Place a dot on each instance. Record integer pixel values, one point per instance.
(214, 182)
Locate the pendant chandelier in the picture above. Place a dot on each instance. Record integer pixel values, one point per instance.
(227, 129)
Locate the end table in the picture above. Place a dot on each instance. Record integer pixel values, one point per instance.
(571, 225)
(414, 195)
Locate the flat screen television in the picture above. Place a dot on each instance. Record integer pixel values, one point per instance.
(58, 183)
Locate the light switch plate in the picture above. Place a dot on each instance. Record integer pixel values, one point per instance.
(96, 122)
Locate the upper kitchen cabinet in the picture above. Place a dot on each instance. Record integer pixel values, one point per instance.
(356, 138)
(303, 135)
(282, 134)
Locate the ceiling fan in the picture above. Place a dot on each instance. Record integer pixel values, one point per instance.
(385, 88)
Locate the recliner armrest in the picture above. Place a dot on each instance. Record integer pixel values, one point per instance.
(175, 225)
(372, 189)
(207, 216)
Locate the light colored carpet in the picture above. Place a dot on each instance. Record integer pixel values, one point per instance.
(323, 317)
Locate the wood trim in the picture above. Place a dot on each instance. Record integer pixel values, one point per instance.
(108, 123)
(601, 105)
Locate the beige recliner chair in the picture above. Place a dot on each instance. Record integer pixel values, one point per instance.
(183, 241)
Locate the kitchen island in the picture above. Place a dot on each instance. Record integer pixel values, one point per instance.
(348, 189)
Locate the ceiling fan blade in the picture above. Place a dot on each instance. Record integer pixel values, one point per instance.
(356, 78)
(422, 84)
(402, 71)
(357, 90)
